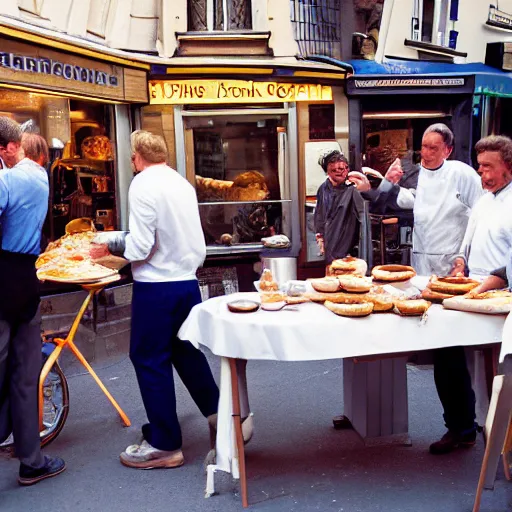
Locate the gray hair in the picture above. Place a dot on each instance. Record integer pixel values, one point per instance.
(499, 144)
(444, 131)
(9, 131)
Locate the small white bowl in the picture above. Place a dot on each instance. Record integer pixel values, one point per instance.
(273, 306)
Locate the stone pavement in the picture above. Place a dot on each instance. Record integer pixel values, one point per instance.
(296, 460)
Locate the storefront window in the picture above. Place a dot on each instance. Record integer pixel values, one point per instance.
(388, 139)
(81, 169)
(239, 165)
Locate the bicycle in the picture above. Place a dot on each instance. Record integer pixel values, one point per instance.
(55, 399)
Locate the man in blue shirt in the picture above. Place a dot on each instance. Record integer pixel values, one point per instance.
(23, 208)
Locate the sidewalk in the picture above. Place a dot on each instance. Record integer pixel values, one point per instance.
(296, 460)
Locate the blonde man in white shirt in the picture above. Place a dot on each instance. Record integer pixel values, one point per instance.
(166, 246)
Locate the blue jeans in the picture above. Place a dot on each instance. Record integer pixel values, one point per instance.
(158, 311)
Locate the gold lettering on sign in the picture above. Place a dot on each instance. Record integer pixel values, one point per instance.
(178, 92)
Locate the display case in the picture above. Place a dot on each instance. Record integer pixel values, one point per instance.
(81, 169)
(239, 167)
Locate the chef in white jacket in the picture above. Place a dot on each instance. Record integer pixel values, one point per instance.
(488, 238)
(446, 192)
(442, 201)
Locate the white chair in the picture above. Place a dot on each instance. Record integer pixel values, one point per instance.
(498, 425)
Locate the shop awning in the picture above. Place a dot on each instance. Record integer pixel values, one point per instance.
(286, 67)
(488, 80)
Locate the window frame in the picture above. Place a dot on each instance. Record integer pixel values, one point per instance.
(438, 17)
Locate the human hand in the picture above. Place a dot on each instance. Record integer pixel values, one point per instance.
(395, 172)
(98, 251)
(459, 266)
(359, 180)
(321, 246)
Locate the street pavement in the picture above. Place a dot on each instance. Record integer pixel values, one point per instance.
(296, 461)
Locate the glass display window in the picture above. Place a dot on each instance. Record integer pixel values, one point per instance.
(384, 140)
(239, 166)
(81, 169)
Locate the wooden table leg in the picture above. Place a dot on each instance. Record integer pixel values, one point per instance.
(237, 421)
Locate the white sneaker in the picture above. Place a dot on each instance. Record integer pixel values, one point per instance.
(145, 456)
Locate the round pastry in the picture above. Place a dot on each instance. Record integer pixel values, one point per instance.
(355, 284)
(457, 285)
(354, 310)
(393, 273)
(296, 300)
(433, 296)
(381, 302)
(492, 294)
(269, 297)
(413, 307)
(338, 298)
(326, 284)
(348, 265)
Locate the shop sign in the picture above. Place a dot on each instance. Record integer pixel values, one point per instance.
(177, 92)
(45, 68)
(55, 68)
(499, 18)
(409, 82)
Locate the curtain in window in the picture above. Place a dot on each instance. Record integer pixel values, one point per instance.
(239, 14)
(197, 20)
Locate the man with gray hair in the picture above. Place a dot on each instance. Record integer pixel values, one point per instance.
(442, 200)
(10, 140)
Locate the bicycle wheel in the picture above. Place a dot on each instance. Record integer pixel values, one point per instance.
(56, 407)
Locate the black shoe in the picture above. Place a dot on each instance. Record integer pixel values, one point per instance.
(53, 466)
(451, 441)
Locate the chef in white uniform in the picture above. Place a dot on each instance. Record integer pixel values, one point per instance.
(442, 201)
(488, 239)
(446, 192)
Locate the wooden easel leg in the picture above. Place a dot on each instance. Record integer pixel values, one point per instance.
(112, 400)
(238, 430)
(507, 449)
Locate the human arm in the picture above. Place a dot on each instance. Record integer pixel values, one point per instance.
(4, 195)
(470, 187)
(496, 281)
(319, 220)
(460, 262)
(359, 180)
(142, 224)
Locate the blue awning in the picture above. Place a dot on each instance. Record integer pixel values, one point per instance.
(488, 80)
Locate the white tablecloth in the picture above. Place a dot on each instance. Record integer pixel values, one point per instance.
(311, 332)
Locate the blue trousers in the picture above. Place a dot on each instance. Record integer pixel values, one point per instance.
(453, 384)
(158, 311)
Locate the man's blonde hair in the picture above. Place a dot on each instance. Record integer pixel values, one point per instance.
(150, 147)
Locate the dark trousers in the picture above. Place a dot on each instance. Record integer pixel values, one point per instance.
(158, 311)
(20, 366)
(453, 384)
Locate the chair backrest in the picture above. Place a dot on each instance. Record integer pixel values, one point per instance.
(506, 347)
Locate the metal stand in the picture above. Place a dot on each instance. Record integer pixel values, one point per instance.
(68, 341)
(375, 400)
